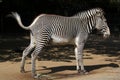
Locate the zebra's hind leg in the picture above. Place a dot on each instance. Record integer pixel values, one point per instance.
(25, 53)
(38, 48)
(28, 50)
(34, 55)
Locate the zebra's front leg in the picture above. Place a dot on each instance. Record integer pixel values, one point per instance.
(79, 58)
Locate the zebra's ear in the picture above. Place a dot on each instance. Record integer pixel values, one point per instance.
(99, 12)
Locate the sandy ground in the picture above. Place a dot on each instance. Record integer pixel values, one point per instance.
(99, 69)
(101, 60)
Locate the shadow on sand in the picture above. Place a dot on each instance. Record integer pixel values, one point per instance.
(88, 68)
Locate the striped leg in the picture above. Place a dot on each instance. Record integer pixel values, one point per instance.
(25, 53)
(80, 41)
(79, 58)
(41, 42)
(33, 58)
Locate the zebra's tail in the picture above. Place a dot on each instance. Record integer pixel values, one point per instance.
(18, 18)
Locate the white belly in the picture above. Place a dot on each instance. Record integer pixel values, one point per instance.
(61, 40)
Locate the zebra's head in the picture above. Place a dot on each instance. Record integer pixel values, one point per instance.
(101, 24)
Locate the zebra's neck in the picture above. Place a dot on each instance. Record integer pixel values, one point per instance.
(89, 18)
(91, 24)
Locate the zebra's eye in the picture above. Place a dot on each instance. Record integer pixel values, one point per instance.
(101, 30)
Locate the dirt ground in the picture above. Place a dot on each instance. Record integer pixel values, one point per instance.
(101, 60)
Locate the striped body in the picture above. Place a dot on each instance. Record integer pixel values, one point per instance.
(59, 29)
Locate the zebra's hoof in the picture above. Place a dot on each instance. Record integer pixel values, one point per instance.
(36, 76)
(82, 72)
(22, 71)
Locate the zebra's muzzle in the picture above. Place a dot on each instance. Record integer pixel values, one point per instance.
(106, 35)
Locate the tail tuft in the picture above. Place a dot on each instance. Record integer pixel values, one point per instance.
(16, 16)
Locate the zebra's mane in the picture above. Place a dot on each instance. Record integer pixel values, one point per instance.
(90, 12)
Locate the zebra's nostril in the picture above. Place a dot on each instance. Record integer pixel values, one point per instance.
(106, 35)
(103, 30)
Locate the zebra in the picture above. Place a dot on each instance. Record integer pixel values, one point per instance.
(48, 28)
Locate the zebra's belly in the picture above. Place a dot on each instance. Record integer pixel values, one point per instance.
(61, 40)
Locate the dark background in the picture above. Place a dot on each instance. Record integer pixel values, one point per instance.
(29, 9)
